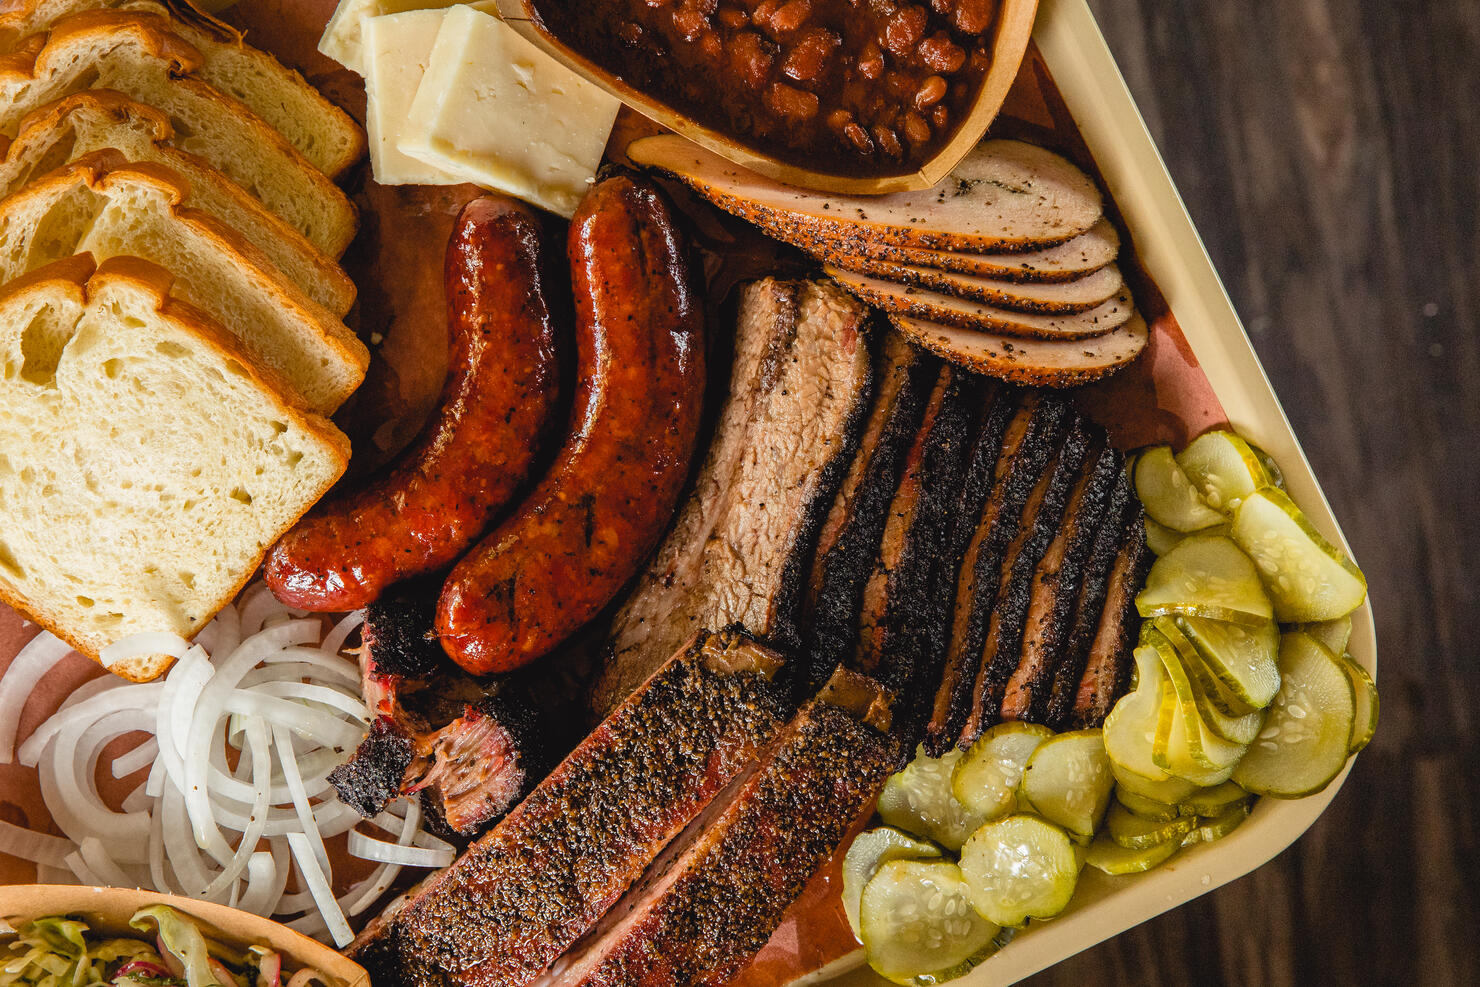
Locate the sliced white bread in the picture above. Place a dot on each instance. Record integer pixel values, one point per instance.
(133, 54)
(1072, 259)
(104, 205)
(952, 311)
(321, 131)
(97, 119)
(1046, 298)
(1041, 362)
(146, 462)
(1003, 196)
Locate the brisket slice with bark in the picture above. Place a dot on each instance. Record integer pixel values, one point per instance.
(1029, 444)
(540, 879)
(469, 748)
(1055, 589)
(799, 394)
(1107, 673)
(700, 918)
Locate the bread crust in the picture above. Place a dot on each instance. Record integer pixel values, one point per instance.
(216, 41)
(80, 37)
(106, 171)
(337, 289)
(78, 277)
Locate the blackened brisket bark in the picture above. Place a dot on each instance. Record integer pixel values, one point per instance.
(738, 553)
(710, 910)
(1107, 673)
(856, 522)
(1055, 589)
(1029, 445)
(535, 883)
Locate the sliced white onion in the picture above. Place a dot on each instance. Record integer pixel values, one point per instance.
(369, 848)
(282, 696)
(39, 848)
(318, 883)
(39, 656)
(141, 645)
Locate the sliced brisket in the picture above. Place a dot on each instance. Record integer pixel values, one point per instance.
(738, 553)
(1107, 672)
(710, 910)
(540, 879)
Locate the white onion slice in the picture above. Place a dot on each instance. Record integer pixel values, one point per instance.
(39, 848)
(85, 713)
(318, 883)
(39, 656)
(142, 644)
(369, 848)
(101, 863)
(334, 640)
(137, 759)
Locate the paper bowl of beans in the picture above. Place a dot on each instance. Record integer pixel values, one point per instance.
(849, 96)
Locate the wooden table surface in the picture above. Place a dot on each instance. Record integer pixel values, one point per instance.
(1329, 151)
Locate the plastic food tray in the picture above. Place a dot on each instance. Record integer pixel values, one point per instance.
(1173, 255)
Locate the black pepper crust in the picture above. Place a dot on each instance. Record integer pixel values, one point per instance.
(755, 861)
(1040, 523)
(398, 631)
(1082, 520)
(915, 617)
(786, 609)
(1017, 473)
(371, 778)
(845, 567)
(1106, 680)
(526, 890)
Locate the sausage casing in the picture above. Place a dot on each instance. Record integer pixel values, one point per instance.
(500, 398)
(567, 550)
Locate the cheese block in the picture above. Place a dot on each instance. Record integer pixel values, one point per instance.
(344, 39)
(396, 49)
(496, 111)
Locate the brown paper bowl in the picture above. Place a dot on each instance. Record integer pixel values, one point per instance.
(109, 909)
(1014, 28)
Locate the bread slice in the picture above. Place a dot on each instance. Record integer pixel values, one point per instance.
(146, 461)
(103, 205)
(321, 131)
(1004, 196)
(95, 119)
(135, 55)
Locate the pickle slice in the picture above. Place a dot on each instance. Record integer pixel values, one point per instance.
(1206, 576)
(1215, 801)
(1335, 635)
(1206, 692)
(1168, 495)
(1211, 828)
(918, 924)
(1223, 469)
(1149, 809)
(1306, 739)
(869, 852)
(918, 800)
(986, 780)
(1243, 659)
(1184, 746)
(1134, 833)
(1068, 781)
(1308, 578)
(1168, 790)
(1018, 868)
(1130, 729)
(1365, 692)
(1106, 855)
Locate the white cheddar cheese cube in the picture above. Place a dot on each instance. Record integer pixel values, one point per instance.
(343, 38)
(397, 47)
(496, 111)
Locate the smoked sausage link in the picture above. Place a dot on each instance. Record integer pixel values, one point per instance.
(567, 550)
(500, 399)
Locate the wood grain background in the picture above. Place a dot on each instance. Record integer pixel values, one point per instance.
(1329, 151)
